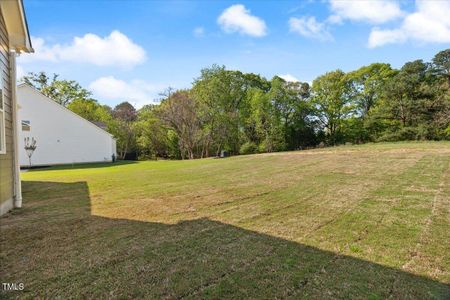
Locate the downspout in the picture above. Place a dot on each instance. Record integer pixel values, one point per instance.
(16, 167)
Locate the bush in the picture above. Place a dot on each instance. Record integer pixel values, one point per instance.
(262, 148)
(248, 148)
(270, 145)
(404, 134)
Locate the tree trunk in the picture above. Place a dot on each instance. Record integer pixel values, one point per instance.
(218, 150)
(125, 151)
(207, 148)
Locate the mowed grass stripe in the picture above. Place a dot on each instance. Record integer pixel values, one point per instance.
(431, 255)
(383, 228)
(329, 223)
(312, 201)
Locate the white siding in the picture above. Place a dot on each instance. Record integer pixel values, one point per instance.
(62, 137)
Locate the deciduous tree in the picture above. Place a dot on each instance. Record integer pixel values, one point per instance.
(332, 102)
(61, 91)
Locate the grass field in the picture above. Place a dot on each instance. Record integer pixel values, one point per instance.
(369, 222)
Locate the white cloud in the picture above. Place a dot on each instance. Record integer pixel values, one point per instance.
(41, 52)
(237, 18)
(289, 78)
(137, 92)
(115, 49)
(335, 19)
(430, 23)
(199, 31)
(309, 27)
(371, 11)
(379, 37)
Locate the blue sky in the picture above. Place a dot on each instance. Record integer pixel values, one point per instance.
(132, 50)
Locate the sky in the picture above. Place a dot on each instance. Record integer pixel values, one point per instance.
(133, 50)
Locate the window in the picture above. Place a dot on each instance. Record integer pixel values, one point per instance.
(26, 125)
(2, 115)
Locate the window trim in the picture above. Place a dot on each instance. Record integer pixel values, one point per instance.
(25, 123)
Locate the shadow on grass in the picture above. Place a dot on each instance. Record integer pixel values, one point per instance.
(57, 248)
(82, 166)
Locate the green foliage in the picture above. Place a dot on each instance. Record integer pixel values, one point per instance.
(441, 63)
(223, 105)
(125, 134)
(61, 91)
(367, 85)
(332, 103)
(248, 148)
(179, 113)
(355, 130)
(403, 134)
(91, 110)
(245, 113)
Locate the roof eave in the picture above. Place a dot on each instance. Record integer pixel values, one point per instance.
(16, 25)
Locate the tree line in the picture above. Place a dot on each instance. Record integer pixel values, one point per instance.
(245, 113)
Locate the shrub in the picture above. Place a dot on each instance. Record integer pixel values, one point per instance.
(248, 148)
(404, 134)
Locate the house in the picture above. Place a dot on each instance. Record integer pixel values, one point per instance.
(62, 137)
(14, 39)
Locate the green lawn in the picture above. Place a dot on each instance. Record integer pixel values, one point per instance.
(369, 222)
